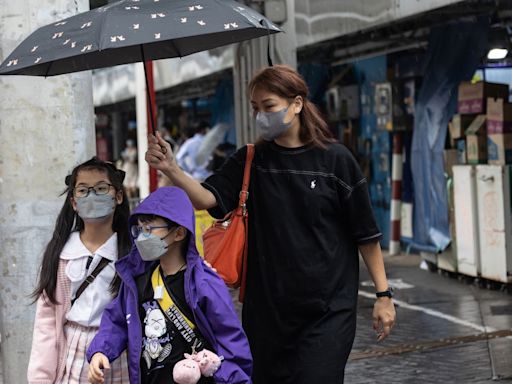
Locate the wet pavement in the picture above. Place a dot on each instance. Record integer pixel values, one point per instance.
(447, 331)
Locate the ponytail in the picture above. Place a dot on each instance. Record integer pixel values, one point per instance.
(314, 128)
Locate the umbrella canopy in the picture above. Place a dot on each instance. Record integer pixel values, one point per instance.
(128, 31)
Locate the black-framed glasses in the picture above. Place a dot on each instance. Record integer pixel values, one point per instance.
(136, 230)
(99, 189)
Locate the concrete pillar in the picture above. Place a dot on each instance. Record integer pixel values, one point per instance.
(46, 128)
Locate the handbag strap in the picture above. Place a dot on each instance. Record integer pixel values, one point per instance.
(89, 279)
(243, 197)
(244, 193)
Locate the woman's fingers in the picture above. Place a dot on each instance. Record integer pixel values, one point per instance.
(165, 147)
(385, 331)
(159, 154)
(384, 316)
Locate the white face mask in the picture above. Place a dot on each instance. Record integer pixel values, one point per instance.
(271, 125)
(151, 247)
(94, 206)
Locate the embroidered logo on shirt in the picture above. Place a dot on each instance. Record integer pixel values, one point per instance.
(313, 184)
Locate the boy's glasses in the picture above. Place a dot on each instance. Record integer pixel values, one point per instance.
(99, 189)
(136, 230)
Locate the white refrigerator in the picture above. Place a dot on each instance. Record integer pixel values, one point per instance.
(466, 220)
(495, 221)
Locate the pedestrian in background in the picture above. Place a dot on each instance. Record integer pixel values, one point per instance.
(90, 234)
(186, 155)
(170, 303)
(309, 217)
(131, 169)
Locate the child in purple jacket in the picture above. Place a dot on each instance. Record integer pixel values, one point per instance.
(169, 302)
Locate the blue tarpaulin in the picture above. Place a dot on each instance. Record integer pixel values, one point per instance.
(453, 55)
(368, 73)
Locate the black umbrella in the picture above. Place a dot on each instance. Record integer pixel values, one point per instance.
(129, 31)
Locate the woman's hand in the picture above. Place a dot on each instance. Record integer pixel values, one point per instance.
(383, 317)
(159, 154)
(98, 364)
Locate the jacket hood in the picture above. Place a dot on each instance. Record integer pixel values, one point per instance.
(171, 203)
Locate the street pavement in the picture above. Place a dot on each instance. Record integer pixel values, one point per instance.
(441, 334)
(447, 331)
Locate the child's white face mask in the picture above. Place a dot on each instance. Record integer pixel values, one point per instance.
(150, 247)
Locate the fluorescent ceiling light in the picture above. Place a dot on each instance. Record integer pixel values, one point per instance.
(497, 53)
(499, 43)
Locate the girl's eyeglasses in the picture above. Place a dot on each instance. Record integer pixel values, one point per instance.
(99, 189)
(136, 230)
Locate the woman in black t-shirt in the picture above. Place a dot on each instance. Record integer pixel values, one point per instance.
(310, 215)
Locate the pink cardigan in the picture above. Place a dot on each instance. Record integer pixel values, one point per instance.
(47, 357)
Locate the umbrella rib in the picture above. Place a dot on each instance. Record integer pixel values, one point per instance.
(48, 69)
(175, 48)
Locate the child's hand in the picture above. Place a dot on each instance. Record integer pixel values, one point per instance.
(99, 362)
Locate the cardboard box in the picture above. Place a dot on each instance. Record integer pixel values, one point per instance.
(476, 141)
(459, 125)
(499, 148)
(451, 158)
(460, 147)
(473, 97)
(499, 116)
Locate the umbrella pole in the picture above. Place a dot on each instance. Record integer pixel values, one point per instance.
(151, 104)
(149, 91)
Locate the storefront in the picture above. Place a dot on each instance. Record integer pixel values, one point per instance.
(372, 100)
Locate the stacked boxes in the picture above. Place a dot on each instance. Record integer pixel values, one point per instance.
(481, 132)
(458, 127)
(476, 141)
(473, 97)
(499, 130)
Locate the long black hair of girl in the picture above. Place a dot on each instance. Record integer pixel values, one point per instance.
(68, 221)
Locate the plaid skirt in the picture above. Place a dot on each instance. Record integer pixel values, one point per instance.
(78, 339)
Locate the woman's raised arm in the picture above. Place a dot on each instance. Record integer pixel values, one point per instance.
(160, 156)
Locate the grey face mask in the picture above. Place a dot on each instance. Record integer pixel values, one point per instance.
(271, 125)
(95, 207)
(151, 247)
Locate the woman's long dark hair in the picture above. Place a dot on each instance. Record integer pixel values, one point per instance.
(68, 221)
(287, 83)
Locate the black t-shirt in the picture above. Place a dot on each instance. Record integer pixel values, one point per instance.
(309, 209)
(162, 344)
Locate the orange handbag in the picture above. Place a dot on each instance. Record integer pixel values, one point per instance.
(225, 242)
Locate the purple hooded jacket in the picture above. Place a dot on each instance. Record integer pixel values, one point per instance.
(205, 292)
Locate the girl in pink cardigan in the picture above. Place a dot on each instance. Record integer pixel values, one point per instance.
(77, 278)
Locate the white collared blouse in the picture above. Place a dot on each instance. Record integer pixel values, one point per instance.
(88, 308)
